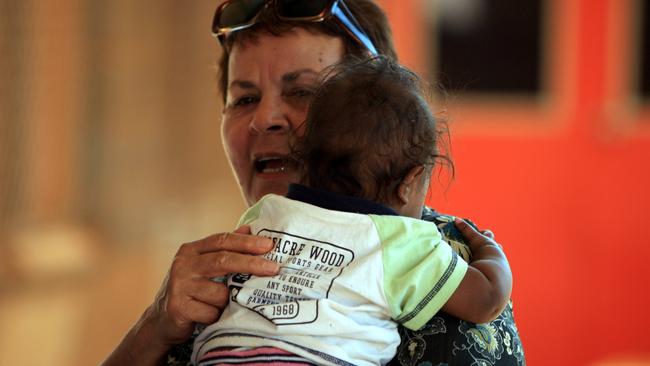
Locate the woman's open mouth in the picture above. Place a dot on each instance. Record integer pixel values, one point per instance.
(273, 164)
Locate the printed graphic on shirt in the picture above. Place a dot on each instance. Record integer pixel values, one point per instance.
(308, 268)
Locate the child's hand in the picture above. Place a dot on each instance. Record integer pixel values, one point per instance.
(473, 237)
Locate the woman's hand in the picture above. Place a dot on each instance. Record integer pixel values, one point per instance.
(188, 295)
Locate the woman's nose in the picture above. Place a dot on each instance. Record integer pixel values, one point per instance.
(269, 117)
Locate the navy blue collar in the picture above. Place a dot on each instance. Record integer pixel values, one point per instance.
(338, 202)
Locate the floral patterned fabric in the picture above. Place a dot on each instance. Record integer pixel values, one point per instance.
(444, 340)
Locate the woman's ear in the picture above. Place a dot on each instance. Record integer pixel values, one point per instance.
(409, 184)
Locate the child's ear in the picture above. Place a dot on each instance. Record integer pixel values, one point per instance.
(409, 183)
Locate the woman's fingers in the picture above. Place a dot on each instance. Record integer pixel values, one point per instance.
(188, 294)
(209, 292)
(222, 263)
(244, 229)
(182, 302)
(224, 253)
(232, 242)
(200, 312)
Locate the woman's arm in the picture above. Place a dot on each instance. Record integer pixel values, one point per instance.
(188, 296)
(486, 287)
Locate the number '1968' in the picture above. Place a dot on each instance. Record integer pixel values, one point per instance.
(284, 309)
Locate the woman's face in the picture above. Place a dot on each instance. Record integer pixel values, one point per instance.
(270, 84)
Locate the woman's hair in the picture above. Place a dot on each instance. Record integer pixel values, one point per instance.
(370, 16)
(368, 125)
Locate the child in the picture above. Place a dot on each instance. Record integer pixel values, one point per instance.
(355, 258)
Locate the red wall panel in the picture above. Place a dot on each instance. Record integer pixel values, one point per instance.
(565, 187)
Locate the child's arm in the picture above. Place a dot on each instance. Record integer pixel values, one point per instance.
(485, 290)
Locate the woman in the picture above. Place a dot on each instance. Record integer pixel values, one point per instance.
(274, 51)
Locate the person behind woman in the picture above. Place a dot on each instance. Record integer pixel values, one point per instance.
(351, 267)
(273, 52)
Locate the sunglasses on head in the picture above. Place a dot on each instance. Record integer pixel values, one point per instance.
(235, 15)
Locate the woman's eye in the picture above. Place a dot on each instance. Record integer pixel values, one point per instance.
(300, 93)
(243, 101)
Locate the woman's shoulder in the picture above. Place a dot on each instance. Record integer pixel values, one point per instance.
(446, 340)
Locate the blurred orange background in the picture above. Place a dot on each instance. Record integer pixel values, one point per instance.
(110, 157)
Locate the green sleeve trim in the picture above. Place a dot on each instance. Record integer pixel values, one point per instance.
(421, 271)
(442, 291)
(252, 213)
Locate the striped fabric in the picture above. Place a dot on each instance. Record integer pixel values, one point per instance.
(262, 356)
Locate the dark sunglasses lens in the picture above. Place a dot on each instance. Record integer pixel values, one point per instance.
(237, 12)
(301, 8)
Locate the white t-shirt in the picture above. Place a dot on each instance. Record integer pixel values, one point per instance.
(345, 281)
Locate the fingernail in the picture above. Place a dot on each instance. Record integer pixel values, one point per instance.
(271, 267)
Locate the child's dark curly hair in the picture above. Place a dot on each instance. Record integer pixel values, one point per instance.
(368, 125)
